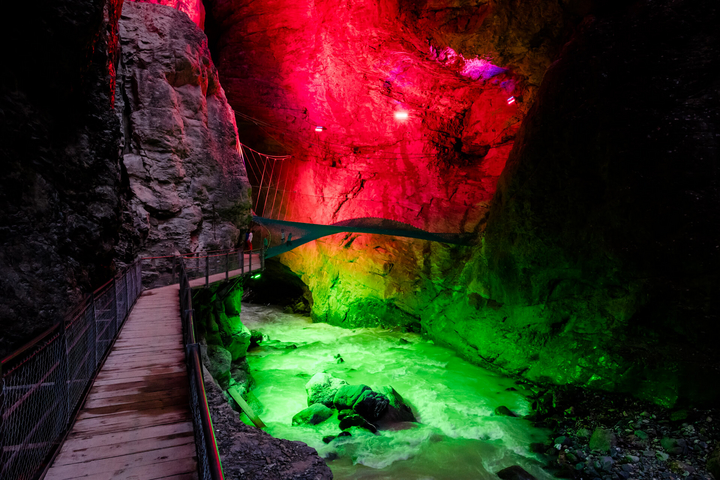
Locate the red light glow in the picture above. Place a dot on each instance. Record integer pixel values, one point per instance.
(511, 100)
(401, 115)
(319, 128)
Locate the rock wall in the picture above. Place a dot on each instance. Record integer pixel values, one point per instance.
(597, 267)
(180, 152)
(60, 191)
(192, 8)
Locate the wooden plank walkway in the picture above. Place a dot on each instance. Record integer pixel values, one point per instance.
(136, 421)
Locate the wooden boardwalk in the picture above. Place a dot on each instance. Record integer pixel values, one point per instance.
(136, 421)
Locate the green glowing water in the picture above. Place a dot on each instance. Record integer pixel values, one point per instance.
(457, 437)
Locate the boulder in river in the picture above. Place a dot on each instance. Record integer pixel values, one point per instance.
(321, 388)
(514, 473)
(371, 405)
(398, 410)
(349, 419)
(314, 414)
(504, 411)
(602, 440)
(347, 395)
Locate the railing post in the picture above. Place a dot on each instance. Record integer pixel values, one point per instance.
(173, 270)
(65, 370)
(250, 262)
(94, 330)
(227, 265)
(127, 293)
(242, 260)
(262, 258)
(117, 306)
(207, 270)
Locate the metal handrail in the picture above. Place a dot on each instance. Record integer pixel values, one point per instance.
(45, 382)
(209, 463)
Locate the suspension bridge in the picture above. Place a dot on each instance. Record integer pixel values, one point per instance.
(269, 176)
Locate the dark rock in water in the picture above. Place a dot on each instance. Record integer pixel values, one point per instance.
(602, 440)
(312, 415)
(256, 338)
(329, 438)
(398, 410)
(321, 388)
(674, 446)
(347, 395)
(403, 341)
(340, 360)
(344, 434)
(504, 411)
(514, 473)
(371, 405)
(538, 447)
(355, 420)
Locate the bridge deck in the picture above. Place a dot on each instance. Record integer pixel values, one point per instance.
(136, 421)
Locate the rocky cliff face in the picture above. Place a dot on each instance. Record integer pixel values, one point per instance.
(180, 151)
(60, 189)
(192, 8)
(593, 235)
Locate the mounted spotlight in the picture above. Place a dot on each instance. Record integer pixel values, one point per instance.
(511, 100)
(401, 115)
(319, 128)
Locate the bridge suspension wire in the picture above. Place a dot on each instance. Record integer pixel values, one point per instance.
(261, 168)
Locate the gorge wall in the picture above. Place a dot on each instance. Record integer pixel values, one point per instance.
(189, 189)
(60, 189)
(594, 262)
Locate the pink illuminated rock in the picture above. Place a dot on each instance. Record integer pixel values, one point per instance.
(193, 8)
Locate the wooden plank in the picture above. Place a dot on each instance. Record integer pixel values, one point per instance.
(237, 396)
(116, 363)
(77, 441)
(181, 402)
(75, 454)
(157, 381)
(116, 423)
(95, 401)
(118, 466)
(140, 372)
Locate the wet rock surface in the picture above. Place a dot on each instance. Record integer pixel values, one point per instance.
(180, 154)
(630, 439)
(597, 267)
(249, 453)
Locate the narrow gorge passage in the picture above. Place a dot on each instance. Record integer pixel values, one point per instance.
(457, 435)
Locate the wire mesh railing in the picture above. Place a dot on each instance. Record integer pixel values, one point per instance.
(209, 464)
(44, 382)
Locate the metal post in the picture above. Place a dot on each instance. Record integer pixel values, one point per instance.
(173, 271)
(262, 258)
(242, 261)
(94, 329)
(66, 371)
(207, 270)
(127, 293)
(117, 307)
(227, 265)
(250, 262)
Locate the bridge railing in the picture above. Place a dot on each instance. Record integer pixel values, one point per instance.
(44, 383)
(209, 464)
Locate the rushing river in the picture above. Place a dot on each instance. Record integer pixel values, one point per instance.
(458, 437)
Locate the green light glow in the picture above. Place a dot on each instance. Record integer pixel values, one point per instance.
(256, 276)
(458, 435)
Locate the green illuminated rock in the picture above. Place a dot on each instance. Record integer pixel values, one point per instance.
(314, 414)
(349, 419)
(602, 440)
(347, 395)
(515, 473)
(398, 410)
(371, 405)
(322, 388)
